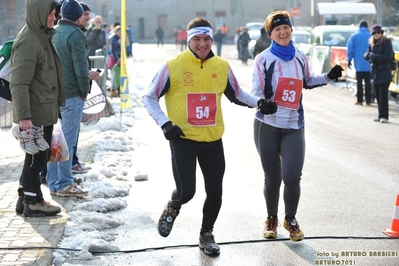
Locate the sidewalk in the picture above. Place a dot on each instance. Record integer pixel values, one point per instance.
(21, 238)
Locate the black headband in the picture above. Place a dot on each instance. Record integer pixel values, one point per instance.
(280, 20)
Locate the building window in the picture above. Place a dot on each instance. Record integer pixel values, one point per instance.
(104, 11)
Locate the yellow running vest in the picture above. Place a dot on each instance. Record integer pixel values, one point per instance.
(194, 97)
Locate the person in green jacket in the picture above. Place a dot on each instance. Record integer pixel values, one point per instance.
(37, 91)
(70, 43)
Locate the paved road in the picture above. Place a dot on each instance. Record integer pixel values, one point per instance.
(349, 187)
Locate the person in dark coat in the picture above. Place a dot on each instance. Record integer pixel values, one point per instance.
(218, 38)
(262, 43)
(379, 55)
(159, 33)
(244, 40)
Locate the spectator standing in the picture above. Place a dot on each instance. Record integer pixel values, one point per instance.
(159, 33)
(379, 54)
(279, 137)
(194, 137)
(77, 167)
(244, 40)
(236, 42)
(37, 97)
(70, 44)
(225, 31)
(95, 37)
(262, 43)
(218, 39)
(131, 34)
(182, 38)
(116, 55)
(358, 44)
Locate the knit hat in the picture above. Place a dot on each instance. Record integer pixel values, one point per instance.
(376, 28)
(71, 10)
(85, 7)
(363, 24)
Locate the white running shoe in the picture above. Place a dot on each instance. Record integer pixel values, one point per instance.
(41, 143)
(26, 139)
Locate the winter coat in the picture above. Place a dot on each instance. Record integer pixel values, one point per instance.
(70, 44)
(380, 59)
(95, 40)
(244, 39)
(36, 84)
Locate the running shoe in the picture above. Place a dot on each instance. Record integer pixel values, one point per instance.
(292, 226)
(270, 231)
(168, 217)
(26, 139)
(40, 142)
(207, 243)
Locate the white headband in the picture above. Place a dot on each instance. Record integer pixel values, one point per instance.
(199, 30)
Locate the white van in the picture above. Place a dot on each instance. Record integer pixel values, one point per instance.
(332, 35)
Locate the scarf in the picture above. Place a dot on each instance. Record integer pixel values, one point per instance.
(286, 53)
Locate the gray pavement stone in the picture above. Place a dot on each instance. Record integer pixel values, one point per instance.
(17, 231)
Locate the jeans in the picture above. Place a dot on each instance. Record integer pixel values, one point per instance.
(59, 174)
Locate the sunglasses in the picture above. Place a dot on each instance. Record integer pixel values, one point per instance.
(377, 32)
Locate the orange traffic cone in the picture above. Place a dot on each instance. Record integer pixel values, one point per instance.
(394, 230)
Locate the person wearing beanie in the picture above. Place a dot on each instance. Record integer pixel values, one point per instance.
(279, 137)
(85, 7)
(70, 43)
(357, 44)
(77, 167)
(71, 10)
(194, 124)
(379, 54)
(37, 97)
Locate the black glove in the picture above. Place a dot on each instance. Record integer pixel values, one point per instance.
(267, 107)
(335, 72)
(171, 131)
(349, 65)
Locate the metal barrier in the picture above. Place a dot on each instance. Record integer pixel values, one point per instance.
(99, 62)
(5, 114)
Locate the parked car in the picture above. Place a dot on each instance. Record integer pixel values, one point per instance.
(254, 29)
(332, 35)
(254, 32)
(298, 36)
(395, 43)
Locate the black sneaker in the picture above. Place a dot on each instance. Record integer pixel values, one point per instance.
(19, 208)
(40, 209)
(168, 217)
(207, 243)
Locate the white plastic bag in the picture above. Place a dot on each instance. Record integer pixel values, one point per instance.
(59, 147)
